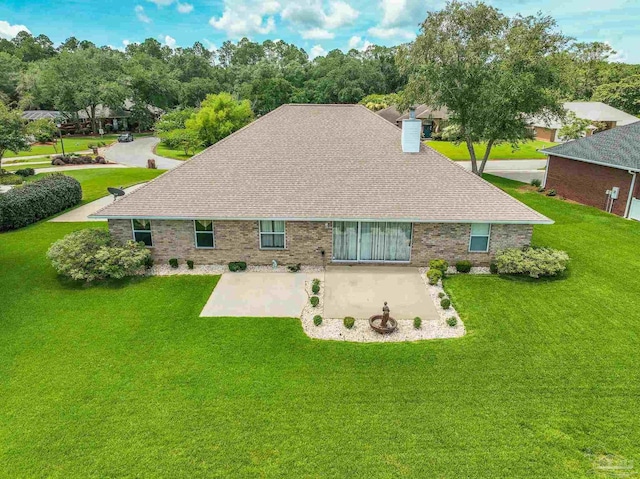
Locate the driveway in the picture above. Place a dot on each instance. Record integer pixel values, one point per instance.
(360, 292)
(82, 213)
(262, 295)
(519, 170)
(137, 152)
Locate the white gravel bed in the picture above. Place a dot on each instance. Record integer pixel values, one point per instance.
(333, 328)
(213, 269)
(434, 292)
(474, 270)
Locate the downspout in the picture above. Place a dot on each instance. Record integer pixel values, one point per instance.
(631, 191)
(546, 172)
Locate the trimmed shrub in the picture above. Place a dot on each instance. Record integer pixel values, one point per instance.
(315, 301)
(294, 268)
(541, 189)
(24, 172)
(315, 286)
(536, 182)
(237, 266)
(11, 179)
(445, 303)
(317, 320)
(463, 266)
(493, 268)
(440, 264)
(349, 322)
(434, 275)
(40, 199)
(441, 295)
(551, 192)
(190, 263)
(148, 263)
(417, 322)
(91, 255)
(534, 262)
(452, 321)
(173, 262)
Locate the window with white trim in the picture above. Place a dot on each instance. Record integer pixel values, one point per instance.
(142, 232)
(479, 241)
(272, 235)
(204, 234)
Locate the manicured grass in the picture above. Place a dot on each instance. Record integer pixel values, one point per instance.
(500, 152)
(127, 380)
(162, 150)
(35, 163)
(95, 181)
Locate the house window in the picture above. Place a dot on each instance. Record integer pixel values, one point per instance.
(479, 241)
(204, 233)
(272, 235)
(142, 231)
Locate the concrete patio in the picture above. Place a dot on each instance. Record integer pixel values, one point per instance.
(360, 291)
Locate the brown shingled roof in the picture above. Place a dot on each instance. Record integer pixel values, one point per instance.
(321, 162)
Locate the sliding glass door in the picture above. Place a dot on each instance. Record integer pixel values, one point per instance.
(370, 241)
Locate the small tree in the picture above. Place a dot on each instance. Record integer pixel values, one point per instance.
(185, 139)
(492, 72)
(219, 116)
(12, 132)
(42, 130)
(573, 127)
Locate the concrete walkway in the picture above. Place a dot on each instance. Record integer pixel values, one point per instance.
(82, 213)
(519, 170)
(14, 159)
(137, 152)
(53, 169)
(261, 295)
(360, 292)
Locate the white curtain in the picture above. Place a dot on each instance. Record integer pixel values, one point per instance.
(372, 237)
(345, 240)
(398, 242)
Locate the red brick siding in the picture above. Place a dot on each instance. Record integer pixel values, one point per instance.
(587, 183)
(544, 134)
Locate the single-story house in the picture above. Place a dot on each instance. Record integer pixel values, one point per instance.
(433, 119)
(600, 170)
(115, 119)
(547, 129)
(318, 184)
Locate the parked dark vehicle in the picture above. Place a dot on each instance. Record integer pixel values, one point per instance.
(125, 138)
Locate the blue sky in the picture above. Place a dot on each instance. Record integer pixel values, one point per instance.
(316, 25)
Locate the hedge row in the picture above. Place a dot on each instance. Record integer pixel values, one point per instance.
(52, 194)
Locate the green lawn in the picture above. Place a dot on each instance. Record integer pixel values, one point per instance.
(125, 380)
(31, 163)
(162, 150)
(71, 145)
(500, 152)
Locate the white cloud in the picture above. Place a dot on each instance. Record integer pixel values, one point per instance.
(317, 51)
(210, 45)
(170, 41)
(402, 13)
(316, 34)
(161, 3)
(9, 31)
(312, 14)
(246, 18)
(387, 33)
(141, 15)
(126, 42)
(356, 42)
(185, 7)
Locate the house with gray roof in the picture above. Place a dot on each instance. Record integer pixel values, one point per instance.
(599, 170)
(318, 184)
(547, 129)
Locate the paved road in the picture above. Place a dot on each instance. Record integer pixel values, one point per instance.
(82, 213)
(519, 170)
(137, 152)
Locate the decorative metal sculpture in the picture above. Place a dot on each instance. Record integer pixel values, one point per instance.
(383, 324)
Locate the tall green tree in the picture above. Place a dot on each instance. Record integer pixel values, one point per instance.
(12, 132)
(218, 117)
(492, 72)
(624, 94)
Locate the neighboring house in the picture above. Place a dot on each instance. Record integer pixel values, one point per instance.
(314, 184)
(32, 115)
(433, 120)
(599, 170)
(547, 130)
(114, 119)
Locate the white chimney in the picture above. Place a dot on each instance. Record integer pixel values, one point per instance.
(411, 133)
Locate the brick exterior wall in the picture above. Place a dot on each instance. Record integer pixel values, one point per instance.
(587, 183)
(239, 241)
